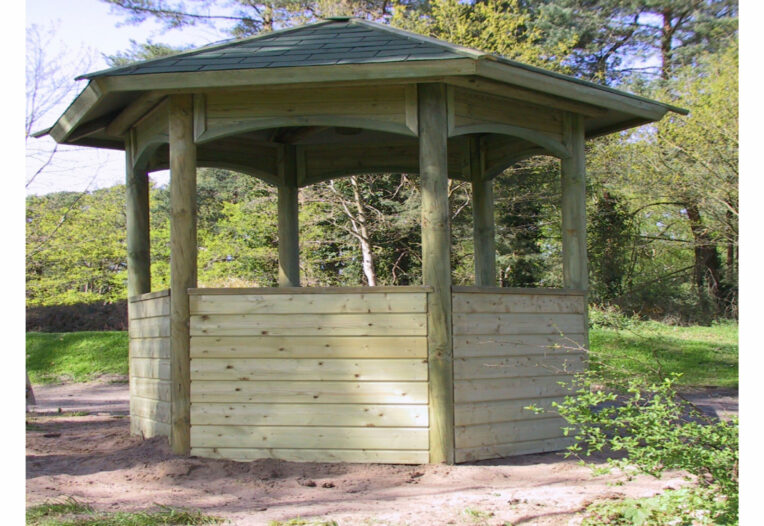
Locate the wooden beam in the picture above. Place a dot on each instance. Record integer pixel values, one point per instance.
(573, 172)
(288, 222)
(132, 112)
(138, 235)
(436, 267)
(526, 95)
(188, 82)
(483, 229)
(182, 264)
(545, 82)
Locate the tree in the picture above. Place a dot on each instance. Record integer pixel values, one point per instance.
(504, 27)
(241, 18)
(48, 87)
(612, 39)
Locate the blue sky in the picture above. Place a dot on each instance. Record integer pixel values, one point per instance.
(88, 28)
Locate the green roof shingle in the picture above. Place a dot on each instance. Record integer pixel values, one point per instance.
(334, 41)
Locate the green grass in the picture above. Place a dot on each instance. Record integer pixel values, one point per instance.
(70, 512)
(75, 356)
(705, 356)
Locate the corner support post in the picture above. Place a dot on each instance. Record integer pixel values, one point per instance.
(436, 267)
(573, 204)
(483, 229)
(183, 252)
(288, 222)
(138, 235)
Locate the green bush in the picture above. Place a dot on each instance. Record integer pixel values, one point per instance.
(655, 430)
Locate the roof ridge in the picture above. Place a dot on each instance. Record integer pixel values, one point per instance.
(454, 48)
(204, 49)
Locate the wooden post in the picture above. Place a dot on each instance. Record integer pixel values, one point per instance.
(436, 267)
(138, 235)
(483, 230)
(182, 265)
(288, 218)
(573, 169)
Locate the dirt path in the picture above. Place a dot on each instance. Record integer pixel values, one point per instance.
(93, 458)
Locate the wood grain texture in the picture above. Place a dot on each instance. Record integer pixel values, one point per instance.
(328, 392)
(150, 308)
(514, 303)
(518, 345)
(504, 432)
(522, 388)
(287, 303)
(573, 204)
(309, 437)
(307, 369)
(137, 225)
(157, 327)
(512, 449)
(309, 325)
(378, 456)
(288, 221)
(469, 414)
(483, 229)
(380, 107)
(472, 107)
(308, 347)
(148, 428)
(342, 415)
(183, 264)
(511, 367)
(150, 368)
(436, 267)
(150, 348)
(518, 323)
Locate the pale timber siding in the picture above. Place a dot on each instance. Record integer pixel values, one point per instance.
(149, 328)
(310, 374)
(511, 348)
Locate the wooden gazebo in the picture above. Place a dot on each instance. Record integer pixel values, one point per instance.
(433, 373)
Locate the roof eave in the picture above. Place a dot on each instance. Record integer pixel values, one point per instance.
(538, 79)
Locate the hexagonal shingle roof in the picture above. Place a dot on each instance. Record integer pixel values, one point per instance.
(329, 42)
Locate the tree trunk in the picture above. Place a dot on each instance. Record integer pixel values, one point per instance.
(707, 263)
(369, 270)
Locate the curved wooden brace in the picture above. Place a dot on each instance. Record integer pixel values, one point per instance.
(313, 120)
(553, 146)
(146, 152)
(505, 162)
(158, 160)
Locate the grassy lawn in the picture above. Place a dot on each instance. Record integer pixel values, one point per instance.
(705, 356)
(75, 356)
(70, 512)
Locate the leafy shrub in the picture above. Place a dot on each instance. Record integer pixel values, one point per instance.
(656, 430)
(609, 317)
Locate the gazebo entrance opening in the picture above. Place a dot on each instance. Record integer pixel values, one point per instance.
(434, 373)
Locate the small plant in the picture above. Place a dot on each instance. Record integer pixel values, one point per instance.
(65, 506)
(478, 516)
(656, 430)
(682, 507)
(609, 317)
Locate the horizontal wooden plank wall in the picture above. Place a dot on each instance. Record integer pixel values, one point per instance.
(511, 349)
(149, 330)
(338, 376)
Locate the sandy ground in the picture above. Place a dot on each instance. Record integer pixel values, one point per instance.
(94, 459)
